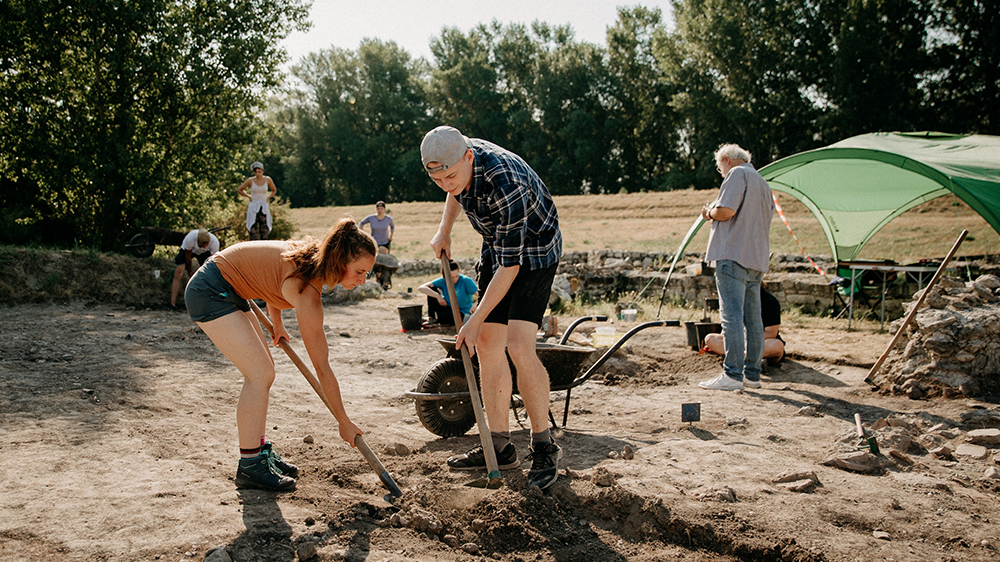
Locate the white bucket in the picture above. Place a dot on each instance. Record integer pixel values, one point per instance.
(605, 336)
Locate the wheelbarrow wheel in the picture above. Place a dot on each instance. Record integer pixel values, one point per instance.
(141, 246)
(446, 418)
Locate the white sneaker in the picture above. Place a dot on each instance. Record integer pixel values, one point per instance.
(722, 382)
(747, 383)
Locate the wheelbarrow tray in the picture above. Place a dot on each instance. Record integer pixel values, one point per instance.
(387, 261)
(385, 266)
(563, 362)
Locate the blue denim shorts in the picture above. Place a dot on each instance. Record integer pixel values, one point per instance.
(209, 296)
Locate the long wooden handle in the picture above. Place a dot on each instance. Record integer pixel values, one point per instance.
(485, 437)
(861, 431)
(359, 441)
(916, 306)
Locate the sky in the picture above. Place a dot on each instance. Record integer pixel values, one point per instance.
(412, 23)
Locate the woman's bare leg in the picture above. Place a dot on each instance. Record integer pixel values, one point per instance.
(238, 336)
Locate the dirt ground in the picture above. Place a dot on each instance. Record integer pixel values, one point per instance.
(118, 443)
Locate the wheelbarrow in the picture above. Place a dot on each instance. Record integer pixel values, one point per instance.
(442, 396)
(385, 266)
(143, 245)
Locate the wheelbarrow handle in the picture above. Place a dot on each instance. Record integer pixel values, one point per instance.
(577, 322)
(611, 350)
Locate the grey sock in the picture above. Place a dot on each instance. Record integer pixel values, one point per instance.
(543, 437)
(500, 439)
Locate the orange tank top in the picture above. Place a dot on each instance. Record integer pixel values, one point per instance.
(257, 271)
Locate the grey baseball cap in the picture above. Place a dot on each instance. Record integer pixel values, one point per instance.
(256, 165)
(444, 145)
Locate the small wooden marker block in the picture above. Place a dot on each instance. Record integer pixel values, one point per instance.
(691, 412)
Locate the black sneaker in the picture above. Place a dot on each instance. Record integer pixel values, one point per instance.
(286, 468)
(258, 473)
(475, 459)
(544, 464)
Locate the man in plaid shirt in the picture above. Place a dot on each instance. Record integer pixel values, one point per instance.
(509, 205)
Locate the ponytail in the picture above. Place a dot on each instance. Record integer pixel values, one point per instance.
(327, 260)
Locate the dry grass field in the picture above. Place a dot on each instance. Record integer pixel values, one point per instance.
(657, 222)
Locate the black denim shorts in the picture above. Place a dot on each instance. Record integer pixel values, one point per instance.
(179, 259)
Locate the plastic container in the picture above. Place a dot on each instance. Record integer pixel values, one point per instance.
(605, 336)
(629, 315)
(411, 316)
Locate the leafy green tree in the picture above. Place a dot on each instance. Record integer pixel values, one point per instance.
(876, 59)
(744, 73)
(965, 47)
(641, 120)
(570, 82)
(118, 113)
(466, 85)
(532, 90)
(359, 118)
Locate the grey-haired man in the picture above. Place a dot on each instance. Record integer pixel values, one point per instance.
(509, 205)
(739, 246)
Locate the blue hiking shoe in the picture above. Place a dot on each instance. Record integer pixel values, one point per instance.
(285, 468)
(259, 473)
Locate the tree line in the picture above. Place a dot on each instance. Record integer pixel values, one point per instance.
(148, 111)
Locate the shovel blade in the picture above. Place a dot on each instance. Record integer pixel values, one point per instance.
(486, 483)
(491, 482)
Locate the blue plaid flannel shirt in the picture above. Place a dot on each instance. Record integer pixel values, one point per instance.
(509, 205)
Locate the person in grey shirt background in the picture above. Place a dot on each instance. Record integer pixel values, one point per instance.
(739, 244)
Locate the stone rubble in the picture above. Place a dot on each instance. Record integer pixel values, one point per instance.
(951, 348)
(913, 442)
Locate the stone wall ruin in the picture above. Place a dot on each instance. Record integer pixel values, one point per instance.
(951, 347)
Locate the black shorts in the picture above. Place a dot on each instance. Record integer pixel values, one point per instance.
(527, 298)
(181, 260)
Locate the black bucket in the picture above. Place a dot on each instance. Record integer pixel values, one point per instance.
(411, 316)
(692, 334)
(705, 328)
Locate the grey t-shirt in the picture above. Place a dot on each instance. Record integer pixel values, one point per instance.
(745, 237)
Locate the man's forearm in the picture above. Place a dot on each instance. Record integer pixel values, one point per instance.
(451, 210)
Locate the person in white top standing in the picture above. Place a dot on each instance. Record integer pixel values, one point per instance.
(199, 244)
(262, 189)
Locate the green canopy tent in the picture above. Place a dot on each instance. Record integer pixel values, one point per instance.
(856, 186)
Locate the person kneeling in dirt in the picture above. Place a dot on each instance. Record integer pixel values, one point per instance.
(438, 303)
(198, 244)
(285, 274)
(774, 346)
(510, 207)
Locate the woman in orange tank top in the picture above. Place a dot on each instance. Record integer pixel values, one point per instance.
(285, 274)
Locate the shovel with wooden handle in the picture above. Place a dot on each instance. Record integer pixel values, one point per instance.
(865, 442)
(359, 441)
(492, 480)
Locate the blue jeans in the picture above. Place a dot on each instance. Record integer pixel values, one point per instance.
(739, 303)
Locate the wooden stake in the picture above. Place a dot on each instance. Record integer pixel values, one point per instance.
(916, 306)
